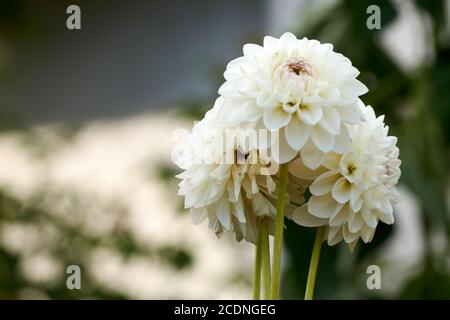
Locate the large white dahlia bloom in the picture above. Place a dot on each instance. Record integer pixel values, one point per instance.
(228, 181)
(297, 86)
(354, 190)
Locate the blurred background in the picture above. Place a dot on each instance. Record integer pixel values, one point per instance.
(86, 118)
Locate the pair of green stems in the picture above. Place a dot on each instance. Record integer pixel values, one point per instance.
(271, 281)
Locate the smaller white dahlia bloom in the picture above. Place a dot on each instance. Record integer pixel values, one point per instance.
(228, 181)
(297, 86)
(354, 190)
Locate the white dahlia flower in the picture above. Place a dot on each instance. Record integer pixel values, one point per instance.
(297, 86)
(227, 181)
(354, 190)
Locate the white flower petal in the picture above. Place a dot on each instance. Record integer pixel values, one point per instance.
(228, 90)
(342, 143)
(370, 217)
(356, 205)
(367, 234)
(322, 139)
(310, 113)
(331, 161)
(239, 209)
(223, 213)
(355, 222)
(312, 157)
(386, 206)
(342, 190)
(302, 217)
(231, 112)
(334, 236)
(331, 120)
(330, 94)
(297, 133)
(198, 215)
(288, 37)
(252, 50)
(352, 245)
(323, 206)
(355, 197)
(349, 113)
(324, 183)
(352, 88)
(281, 151)
(349, 236)
(276, 118)
(340, 217)
(371, 200)
(387, 218)
(298, 169)
(270, 42)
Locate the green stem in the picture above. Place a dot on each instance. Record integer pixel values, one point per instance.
(265, 253)
(278, 237)
(313, 265)
(257, 270)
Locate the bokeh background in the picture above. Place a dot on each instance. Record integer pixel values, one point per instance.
(86, 119)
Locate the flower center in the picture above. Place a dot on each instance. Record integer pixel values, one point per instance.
(299, 67)
(350, 169)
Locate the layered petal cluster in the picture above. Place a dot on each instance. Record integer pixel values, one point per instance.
(307, 96)
(227, 181)
(297, 86)
(354, 190)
